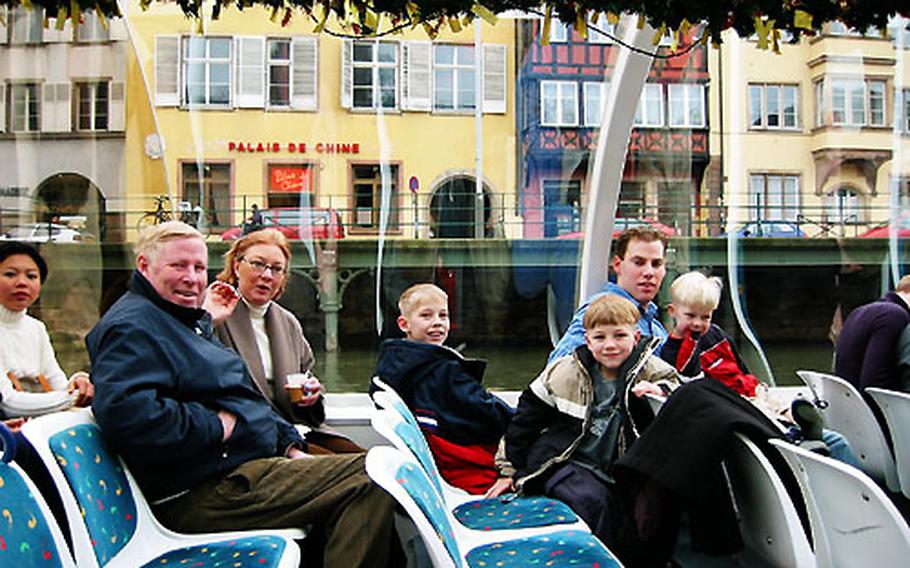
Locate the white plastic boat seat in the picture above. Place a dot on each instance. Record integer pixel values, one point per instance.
(854, 523)
(769, 522)
(849, 414)
(451, 545)
(109, 519)
(895, 406)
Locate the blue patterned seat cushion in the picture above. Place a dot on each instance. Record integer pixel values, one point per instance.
(415, 441)
(520, 513)
(100, 486)
(414, 480)
(248, 552)
(562, 548)
(25, 539)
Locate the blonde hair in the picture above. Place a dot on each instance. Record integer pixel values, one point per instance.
(903, 285)
(239, 248)
(151, 238)
(411, 298)
(611, 309)
(696, 290)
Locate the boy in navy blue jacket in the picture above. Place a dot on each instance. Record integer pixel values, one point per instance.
(461, 420)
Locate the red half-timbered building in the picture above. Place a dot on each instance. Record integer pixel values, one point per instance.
(560, 90)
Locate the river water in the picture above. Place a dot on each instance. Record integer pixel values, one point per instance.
(513, 368)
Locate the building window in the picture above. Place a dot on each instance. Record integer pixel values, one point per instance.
(902, 187)
(367, 188)
(90, 29)
(291, 185)
(631, 200)
(687, 105)
(375, 75)
(453, 74)
(899, 31)
(25, 26)
(279, 72)
(25, 107)
(773, 197)
(207, 188)
(562, 206)
(207, 71)
(559, 103)
(92, 106)
(773, 106)
(650, 111)
(850, 102)
(903, 106)
(842, 206)
(601, 30)
(595, 94)
(559, 32)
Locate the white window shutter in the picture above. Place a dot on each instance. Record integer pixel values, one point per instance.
(250, 71)
(51, 34)
(416, 71)
(167, 70)
(494, 78)
(64, 107)
(304, 73)
(117, 29)
(347, 74)
(3, 89)
(117, 116)
(5, 15)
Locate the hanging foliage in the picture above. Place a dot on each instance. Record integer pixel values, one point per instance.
(369, 17)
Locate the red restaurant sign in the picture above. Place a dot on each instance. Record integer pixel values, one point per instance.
(294, 147)
(290, 179)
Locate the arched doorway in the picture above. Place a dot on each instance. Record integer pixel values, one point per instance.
(72, 199)
(452, 209)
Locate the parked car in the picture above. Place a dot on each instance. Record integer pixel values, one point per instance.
(900, 227)
(296, 223)
(771, 229)
(44, 233)
(620, 224)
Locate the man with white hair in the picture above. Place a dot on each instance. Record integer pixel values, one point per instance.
(205, 446)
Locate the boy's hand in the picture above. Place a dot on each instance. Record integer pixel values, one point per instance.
(644, 387)
(502, 485)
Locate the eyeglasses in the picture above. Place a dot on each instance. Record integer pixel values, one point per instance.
(260, 267)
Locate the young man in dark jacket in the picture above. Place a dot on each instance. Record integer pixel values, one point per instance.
(461, 420)
(206, 447)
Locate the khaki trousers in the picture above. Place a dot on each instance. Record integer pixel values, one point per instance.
(333, 492)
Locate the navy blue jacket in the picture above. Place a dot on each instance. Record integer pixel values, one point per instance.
(444, 390)
(160, 379)
(867, 346)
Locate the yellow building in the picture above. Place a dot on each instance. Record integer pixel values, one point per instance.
(253, 112)
(814, 135)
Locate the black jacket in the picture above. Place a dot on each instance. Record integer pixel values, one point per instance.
(444, 390)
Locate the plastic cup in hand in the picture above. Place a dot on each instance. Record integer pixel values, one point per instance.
(297, 387)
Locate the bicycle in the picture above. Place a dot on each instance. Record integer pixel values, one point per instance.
(161, 214)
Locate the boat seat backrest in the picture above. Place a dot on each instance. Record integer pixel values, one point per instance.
(855, 522)
(99, 484)
(848, 413)
(29, 537)
(895, 406)
(769, 522)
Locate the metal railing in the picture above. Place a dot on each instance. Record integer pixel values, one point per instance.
(424, 218)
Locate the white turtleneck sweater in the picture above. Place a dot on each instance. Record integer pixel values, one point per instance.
(26, 351)
(257, 318)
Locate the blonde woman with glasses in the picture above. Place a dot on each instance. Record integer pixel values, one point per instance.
(270, 339)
